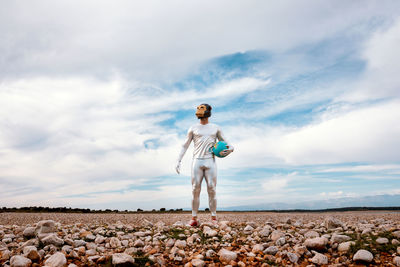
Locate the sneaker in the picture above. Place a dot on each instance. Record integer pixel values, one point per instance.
(194, 223)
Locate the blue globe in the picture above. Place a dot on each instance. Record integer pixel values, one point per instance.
(218, 147)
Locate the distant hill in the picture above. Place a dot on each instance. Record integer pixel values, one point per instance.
(367, 201)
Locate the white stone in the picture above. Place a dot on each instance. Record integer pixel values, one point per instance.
(20, 261)
(257, 248)
(56, 260)
(210, 253)
(276, 234)
(198, 263)
(114, 242)
(45, 227)
(170, 243)
(345, 246)
(396, 234)
(264, 232)
(90, 252)
(339, 238)
(272, 250)
(209, 232)
(140, 234)
(248, 230)
(281, 241)
(311, 234)
(99, 239)
(52, 239)
(138, 243)
(396, 261)
(180, 243)
(318, 243)
(331, 222)
(382, 240)
(319, 259)
(363, 255)
(121, 258)
(79, 243)
(29, 232)
(226, 256)
(293, 257)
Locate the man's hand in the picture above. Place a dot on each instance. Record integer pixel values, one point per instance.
(178, 167)
(226, 152)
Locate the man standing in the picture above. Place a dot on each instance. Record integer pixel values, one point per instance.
(204, 136)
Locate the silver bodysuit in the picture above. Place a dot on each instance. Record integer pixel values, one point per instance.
(203, 166)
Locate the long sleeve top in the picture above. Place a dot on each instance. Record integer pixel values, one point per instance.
(203, 137)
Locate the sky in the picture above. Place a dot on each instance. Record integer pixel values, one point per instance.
(96, 98)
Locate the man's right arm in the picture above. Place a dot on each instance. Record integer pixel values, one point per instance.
(185, 146)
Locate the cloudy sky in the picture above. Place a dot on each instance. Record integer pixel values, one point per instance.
(96, 98)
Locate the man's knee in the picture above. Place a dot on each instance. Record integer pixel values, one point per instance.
(196, 188)
(211, 190)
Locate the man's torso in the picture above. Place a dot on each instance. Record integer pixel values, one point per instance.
(204, 137)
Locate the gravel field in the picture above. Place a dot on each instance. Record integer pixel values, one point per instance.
(240, 239)
(170, 218)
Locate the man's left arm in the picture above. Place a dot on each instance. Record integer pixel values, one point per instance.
(221, 137)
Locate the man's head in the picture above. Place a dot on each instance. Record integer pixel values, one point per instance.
(203, 111)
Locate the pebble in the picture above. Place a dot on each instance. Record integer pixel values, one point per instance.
(272, 250)
(209, 232)
(20, 261)
(293, 257)
(122, 258)
(317, 243)
(339, 238)
(198, 263)
(29, 232)
(382, 240)
(138, 243)
(257, 248)
(248, 230)
(180, 243)
(363, 255)
(210, 253)
(319, 259)
(227, 256)
(345, 246)
(396, 261)
(56, 260)
(52, 239)
(114, 242)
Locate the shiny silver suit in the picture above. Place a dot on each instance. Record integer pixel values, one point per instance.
(203, 166)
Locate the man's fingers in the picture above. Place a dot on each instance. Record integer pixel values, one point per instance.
(178, 167)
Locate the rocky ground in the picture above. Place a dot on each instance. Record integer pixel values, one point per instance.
(240, 239)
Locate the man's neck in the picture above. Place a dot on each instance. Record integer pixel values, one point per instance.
(204, 121)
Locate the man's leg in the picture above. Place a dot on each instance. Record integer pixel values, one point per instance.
(197, 177)
(211, 179)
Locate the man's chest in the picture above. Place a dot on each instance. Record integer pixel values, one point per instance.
(205, 132)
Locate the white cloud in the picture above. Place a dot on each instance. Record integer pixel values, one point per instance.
(381, 79)
(157, 38)
(274, 185)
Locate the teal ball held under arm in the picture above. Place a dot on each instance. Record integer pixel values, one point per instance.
(218, 147)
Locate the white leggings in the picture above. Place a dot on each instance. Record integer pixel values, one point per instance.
(206, 168)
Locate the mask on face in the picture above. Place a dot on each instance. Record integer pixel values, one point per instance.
(203, 111)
